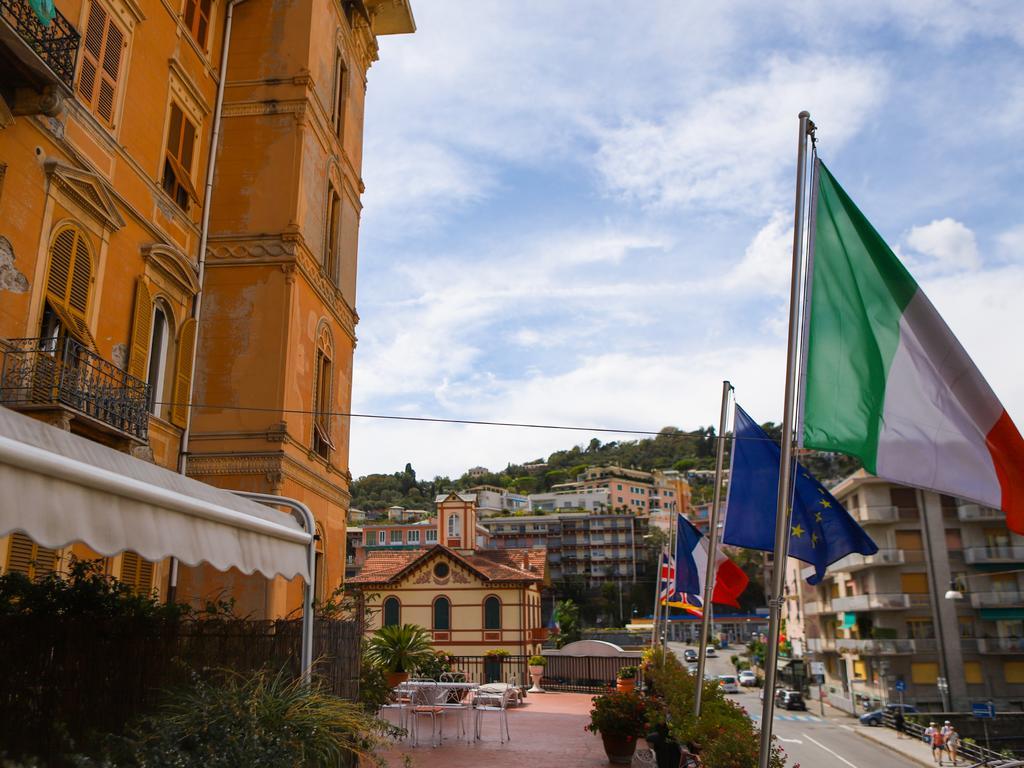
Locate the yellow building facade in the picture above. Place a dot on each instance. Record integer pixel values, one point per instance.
(471, 601)
(106, 116)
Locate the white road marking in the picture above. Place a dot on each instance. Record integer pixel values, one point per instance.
(789, 741)
(834, 754)
(847, 727)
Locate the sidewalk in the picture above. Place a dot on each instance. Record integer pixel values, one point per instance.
(909, 747)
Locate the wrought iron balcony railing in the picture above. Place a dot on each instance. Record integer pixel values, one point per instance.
(56, 43)
(61, 371)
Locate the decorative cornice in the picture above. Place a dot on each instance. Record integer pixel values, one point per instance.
(188, 88)
(274, 467)
(295, 107)
(174, 265)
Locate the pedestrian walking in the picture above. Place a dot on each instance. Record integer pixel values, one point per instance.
(953, 744)
(938, 746)
(927, 737)
(901, 724)
(946, 728)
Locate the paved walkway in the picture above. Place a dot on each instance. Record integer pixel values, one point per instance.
(547, 732)
(910, 747)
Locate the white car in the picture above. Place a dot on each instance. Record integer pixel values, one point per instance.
(710, 652)
(728, 683)
(747, 678)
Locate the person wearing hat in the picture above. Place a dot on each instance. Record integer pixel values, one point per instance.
(953, 744)
(932, 728)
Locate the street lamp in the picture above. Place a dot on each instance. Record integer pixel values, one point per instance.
(954, 593)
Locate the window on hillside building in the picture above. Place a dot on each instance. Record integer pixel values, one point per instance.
(396, 535)
(914, 583)
(136, 572)
(197, 19)
(909, 540)
(68, 287)
(432, 536)
(924, 672)
(26, 557)
(453, 526)
(331, 242)
(382, 537)
(492, 613)
(392, 612)
(181, 139)
(100, 69)
(413, 537)
(159, 357)
(322, 404)
(442, 613)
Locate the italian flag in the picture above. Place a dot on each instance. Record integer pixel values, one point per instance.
(887, 381)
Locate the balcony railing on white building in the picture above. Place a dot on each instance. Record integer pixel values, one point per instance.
(871, 603)
(1001, 645)
(974, 512)
(880, 514)
(875, 647)
(1008, 553)
(990, 599)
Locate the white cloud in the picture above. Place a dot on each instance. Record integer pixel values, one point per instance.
(728, 148)
(767, 262)
(1010, 244)
(948, 244)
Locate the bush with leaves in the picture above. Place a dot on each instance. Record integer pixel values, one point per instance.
(725, 733)
(400, 648)
(267, 720)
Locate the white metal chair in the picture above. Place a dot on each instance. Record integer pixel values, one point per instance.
(398, 701)
(423, 704)
(454, 702)
(498, 704)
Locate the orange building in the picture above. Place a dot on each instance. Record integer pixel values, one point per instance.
(107, 109)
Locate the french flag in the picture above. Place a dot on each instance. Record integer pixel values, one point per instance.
(691, 566)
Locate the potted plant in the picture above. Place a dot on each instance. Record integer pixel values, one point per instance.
(621, 718)
(493, 663)
(626, 680)
(399, 650)
(537, 664)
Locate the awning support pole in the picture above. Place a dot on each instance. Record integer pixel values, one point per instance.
(305, 517)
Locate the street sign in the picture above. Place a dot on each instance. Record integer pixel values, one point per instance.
(986, 710)
(901, 685)
(818, 668)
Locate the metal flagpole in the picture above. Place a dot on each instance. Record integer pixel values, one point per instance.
(783, 510)
(709, 572)
(658, 580)
(671, 584)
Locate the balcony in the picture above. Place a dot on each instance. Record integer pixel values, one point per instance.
(37, 59)
(856, 562)
(876, 514)
(872, 647)
(970, 513)
(996, 599)
(821, 645)
(871, 603)
(62, 374)
(1001, 645)
(1007, 553)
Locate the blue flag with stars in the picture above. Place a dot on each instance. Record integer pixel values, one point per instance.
(821, 531)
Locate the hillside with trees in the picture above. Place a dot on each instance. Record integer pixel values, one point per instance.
(671, 448)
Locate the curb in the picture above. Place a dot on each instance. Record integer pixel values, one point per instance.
(919, 760)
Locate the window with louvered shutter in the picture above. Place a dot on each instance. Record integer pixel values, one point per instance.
(183, 373)
(102, 52)
(322, 444)
(197, 19)
(141, 331)
(136, 572)
(68, 282)
(27, 557)
(177, 181)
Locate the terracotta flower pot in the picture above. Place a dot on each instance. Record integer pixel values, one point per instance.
(619, 749)
(395, 678)
(626, 684)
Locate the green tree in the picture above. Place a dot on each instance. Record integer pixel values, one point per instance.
(567, 614)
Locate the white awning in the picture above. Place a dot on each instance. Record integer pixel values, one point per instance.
(60, 488)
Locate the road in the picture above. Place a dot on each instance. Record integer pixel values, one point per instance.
(808, 738)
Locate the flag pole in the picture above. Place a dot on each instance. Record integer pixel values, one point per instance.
(783, 509)
(658, 580)
(667, 612)
(709, 573)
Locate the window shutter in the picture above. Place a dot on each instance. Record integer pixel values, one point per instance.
(183, 373)
(142, 328)
(91, 52)
(81, 276)
(27, 557)
(109, 74)
(62, 253)
(136, 572)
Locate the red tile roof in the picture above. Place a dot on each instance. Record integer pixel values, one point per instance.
(386, 566)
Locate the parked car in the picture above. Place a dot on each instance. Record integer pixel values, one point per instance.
(747, 678)
(728, 683)
(710, 652)
(877, 716)
(790, 700)
(689, 655)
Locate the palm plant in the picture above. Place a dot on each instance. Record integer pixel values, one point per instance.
(400, 648)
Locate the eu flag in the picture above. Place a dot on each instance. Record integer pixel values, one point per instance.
(821, 531)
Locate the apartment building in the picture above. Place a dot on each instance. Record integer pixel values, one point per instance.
(107, 116)
(940, 606)
(630, 490)
(492, 500)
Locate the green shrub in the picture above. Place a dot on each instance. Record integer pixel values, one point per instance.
(400, 648)
(497, 653)
(619, 713)
(627, 673)
(538, 661)
(439, 663)
(266, 720)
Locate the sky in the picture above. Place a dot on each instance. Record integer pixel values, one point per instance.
(580, 213)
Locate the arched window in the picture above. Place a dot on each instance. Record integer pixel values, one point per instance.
(68, 286)
(323, 394)
(453, 526)
(442, 613)
(160, 355)
(492, 613)
(392, 612)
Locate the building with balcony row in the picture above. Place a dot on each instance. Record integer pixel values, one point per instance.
(136, 281)
(881, 618)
